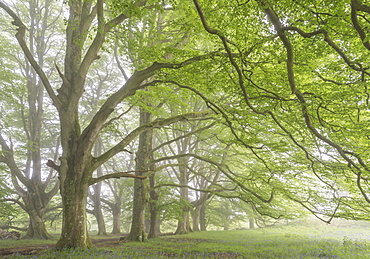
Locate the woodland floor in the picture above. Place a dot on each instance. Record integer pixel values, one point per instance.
(37, 249)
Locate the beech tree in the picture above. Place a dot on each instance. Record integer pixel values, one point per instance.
(287, 78)
(76, 164)
(299, 72)
(34, 184)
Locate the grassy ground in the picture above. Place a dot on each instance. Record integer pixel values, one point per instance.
(293, 241)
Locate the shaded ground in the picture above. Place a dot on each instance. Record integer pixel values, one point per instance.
(37, 249)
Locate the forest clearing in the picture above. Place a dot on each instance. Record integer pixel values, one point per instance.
(313, 239)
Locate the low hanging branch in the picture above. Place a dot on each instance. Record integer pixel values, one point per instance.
(116, 175)
(226, 171)
(346, 155)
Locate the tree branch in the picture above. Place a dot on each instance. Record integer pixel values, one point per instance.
(224, 171)
(158, 123)
(116, 175)
(17, 202)
(20, 38)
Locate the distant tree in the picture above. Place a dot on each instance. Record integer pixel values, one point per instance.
(30, 180)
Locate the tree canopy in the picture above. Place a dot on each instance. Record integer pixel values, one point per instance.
(261, 101)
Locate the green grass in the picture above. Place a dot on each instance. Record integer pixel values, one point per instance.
(318, 241)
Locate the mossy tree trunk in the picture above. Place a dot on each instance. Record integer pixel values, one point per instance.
(74, 197)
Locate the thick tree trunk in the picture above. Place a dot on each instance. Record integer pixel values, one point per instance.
(36, 228)
(183, 224)
(74, 229)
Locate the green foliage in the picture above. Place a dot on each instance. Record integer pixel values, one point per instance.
(7, 209)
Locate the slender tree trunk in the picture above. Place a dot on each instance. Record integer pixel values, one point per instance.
(153, 230)
(251, 223)
(195, 216)
(183, 224)
(116, 212)
(98, 213)
(100, 218)
(202, 217)
(137, 232)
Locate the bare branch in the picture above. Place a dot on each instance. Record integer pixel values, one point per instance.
(158, 123)
(20, 37)
(116, 175)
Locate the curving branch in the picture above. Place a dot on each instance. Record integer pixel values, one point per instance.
(134, 83)
(356, 6)
(16, 202)
(8, 159)
(158, 123)
(291, 78)
(225, 170)
(20, 35)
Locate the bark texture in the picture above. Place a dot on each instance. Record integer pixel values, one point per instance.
(141, 190)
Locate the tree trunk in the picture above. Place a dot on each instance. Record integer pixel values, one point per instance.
(98, 213)
(251, 223)
(116, 212)
(102, 231)
(74, 229)
(202, 217)
(137, 232)
(195, 216)
(35, 202)
(36, 228)
(153, 230)
(183, 224)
